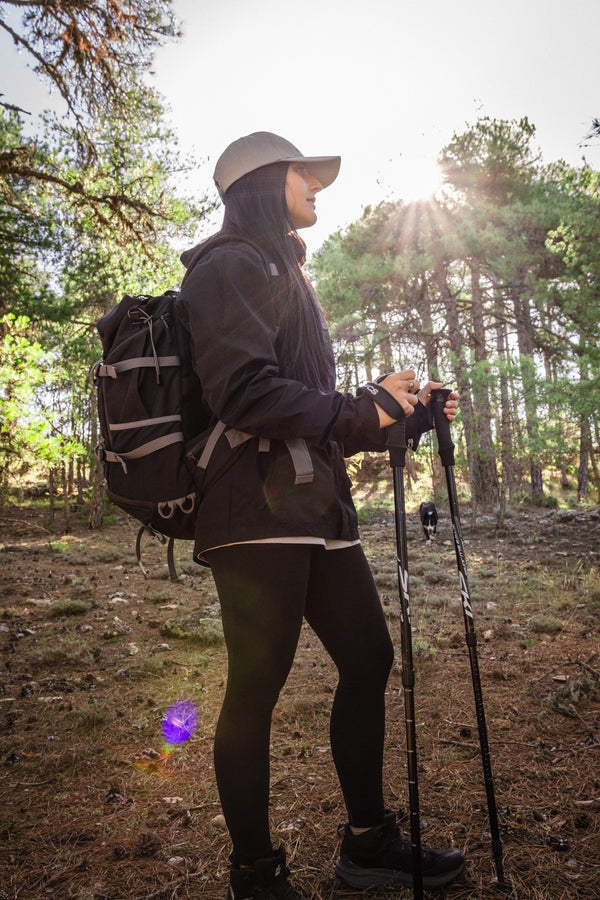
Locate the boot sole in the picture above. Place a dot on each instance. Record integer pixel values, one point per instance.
(361, 878)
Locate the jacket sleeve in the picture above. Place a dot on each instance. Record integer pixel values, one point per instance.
(417, 424)
(229, 307)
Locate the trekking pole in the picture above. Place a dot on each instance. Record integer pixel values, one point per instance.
(397, 453)
(446, 452)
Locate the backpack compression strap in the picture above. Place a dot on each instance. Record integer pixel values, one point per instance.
(170, 551)
(297, 448)
(143, 449)
(104, 370)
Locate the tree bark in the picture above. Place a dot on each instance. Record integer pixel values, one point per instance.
(51, 509)
(593, 452)
(585, 443)
(429, 337)
(526, 345)
(66, 495)
(96, 516)
(485, 474)
(506, 443)
(460, 368)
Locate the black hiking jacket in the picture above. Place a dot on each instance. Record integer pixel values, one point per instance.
(256, 484)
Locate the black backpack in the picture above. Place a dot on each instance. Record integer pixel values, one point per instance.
(152, 418)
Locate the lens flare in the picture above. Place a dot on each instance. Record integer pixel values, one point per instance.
(179, 722)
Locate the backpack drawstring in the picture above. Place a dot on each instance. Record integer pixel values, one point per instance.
(147, 320)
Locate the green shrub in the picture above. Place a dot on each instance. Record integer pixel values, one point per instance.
(204, 632)
(547, 501)
(69, 608)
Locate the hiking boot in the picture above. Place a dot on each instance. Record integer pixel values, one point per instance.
(267, 879)
(382, 854)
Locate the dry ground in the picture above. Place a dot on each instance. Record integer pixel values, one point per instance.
(95, 806)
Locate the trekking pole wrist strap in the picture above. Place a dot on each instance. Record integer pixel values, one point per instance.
(385, 400)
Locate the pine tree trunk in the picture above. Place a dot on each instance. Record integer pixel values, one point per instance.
(593, 452)
(66, 507)
(95, 520)
(525, 341)
(51, 509)
(460, 370)
(80, 481)
(485, 476)
(429, 336)
(96, 513)
(584, 455)
(506, 443)
(501, 506)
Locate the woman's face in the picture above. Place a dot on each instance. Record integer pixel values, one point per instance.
(301, 189)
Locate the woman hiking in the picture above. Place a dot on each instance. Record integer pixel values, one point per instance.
(277, 524)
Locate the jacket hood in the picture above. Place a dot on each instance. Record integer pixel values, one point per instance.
(192, 253)
(191, 256)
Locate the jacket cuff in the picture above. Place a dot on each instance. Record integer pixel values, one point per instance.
(373, 439)
(421, 419)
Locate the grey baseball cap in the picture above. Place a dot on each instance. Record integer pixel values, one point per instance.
(263, 148)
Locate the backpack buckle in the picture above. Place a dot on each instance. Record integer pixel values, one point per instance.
(95, 370)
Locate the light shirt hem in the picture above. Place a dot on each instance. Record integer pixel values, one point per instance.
(327, 543)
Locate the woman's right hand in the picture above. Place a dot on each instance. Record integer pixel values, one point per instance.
(403, 387)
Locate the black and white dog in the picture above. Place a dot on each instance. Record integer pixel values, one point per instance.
(428, 515)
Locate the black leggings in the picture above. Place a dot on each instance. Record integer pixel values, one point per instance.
(265, 591)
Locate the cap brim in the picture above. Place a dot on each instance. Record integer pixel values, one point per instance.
(324, 168)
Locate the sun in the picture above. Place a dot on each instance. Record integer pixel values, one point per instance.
(413, 175)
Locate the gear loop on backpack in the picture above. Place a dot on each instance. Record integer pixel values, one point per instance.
(186, 504)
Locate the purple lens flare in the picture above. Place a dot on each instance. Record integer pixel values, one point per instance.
(179, 722)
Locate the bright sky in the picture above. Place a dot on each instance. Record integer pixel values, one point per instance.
(383, 83)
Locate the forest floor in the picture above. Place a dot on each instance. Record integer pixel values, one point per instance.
(95, 805)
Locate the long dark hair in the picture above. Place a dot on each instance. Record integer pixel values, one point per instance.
(256, 210)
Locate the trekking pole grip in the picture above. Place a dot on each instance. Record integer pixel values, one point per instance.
(438, 399)
(396, 443)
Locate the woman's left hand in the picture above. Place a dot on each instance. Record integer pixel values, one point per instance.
(451, 407)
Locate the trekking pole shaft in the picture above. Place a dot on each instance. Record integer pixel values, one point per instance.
(446, 451)
(397, 462)
(471, 641)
